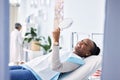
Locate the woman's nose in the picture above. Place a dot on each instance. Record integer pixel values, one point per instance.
(79, 44)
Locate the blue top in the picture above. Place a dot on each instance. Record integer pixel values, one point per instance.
(34, 73)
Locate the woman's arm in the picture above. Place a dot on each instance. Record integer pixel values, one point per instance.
(61, 67)
(56, 63)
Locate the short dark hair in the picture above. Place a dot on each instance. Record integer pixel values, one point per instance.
(17, 25)
(95, 50)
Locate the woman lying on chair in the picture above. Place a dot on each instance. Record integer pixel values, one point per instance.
(31, 70)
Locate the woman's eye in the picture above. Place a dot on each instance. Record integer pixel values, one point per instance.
(85, 44)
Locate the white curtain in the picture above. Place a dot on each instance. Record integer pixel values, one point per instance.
(13, 15)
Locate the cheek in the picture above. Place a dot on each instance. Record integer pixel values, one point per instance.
(83, 47)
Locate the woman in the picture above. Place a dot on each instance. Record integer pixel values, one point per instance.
(52, 70)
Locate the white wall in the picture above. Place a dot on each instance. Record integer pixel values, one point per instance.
(22, 12)
(88, 15)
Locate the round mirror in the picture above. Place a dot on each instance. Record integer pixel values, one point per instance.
(66, 23)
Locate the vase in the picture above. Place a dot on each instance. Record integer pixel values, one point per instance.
(34, 46)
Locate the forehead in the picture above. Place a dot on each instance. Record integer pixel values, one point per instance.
(19, 25)
(88, 42)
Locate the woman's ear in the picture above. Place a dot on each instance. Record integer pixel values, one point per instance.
(88, 54)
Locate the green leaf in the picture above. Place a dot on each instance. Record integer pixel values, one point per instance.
(33, 34)
(26, 34)
(49, 41)
(37, 39)
(45, 47)
(32, 29)
(50, 50)
(48, 44)
(29, 39)
(25, 39)
(60, 47)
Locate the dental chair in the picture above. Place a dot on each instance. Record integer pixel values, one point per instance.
(92, 63)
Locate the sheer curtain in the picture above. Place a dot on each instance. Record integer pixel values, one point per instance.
(13, 15)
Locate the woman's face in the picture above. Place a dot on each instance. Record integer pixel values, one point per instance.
(83, 48)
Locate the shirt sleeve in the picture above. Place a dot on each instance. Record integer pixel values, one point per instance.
(59, 66)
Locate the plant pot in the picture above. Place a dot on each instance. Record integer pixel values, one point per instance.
(34, 46)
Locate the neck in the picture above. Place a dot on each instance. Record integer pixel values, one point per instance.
(79, 54)
(75, 53)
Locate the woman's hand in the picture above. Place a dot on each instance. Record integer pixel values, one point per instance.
(56, 35)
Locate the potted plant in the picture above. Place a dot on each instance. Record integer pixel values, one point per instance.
(46, 45)
(32, 38)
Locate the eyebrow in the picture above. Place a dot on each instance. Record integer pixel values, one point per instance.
(84, 42)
